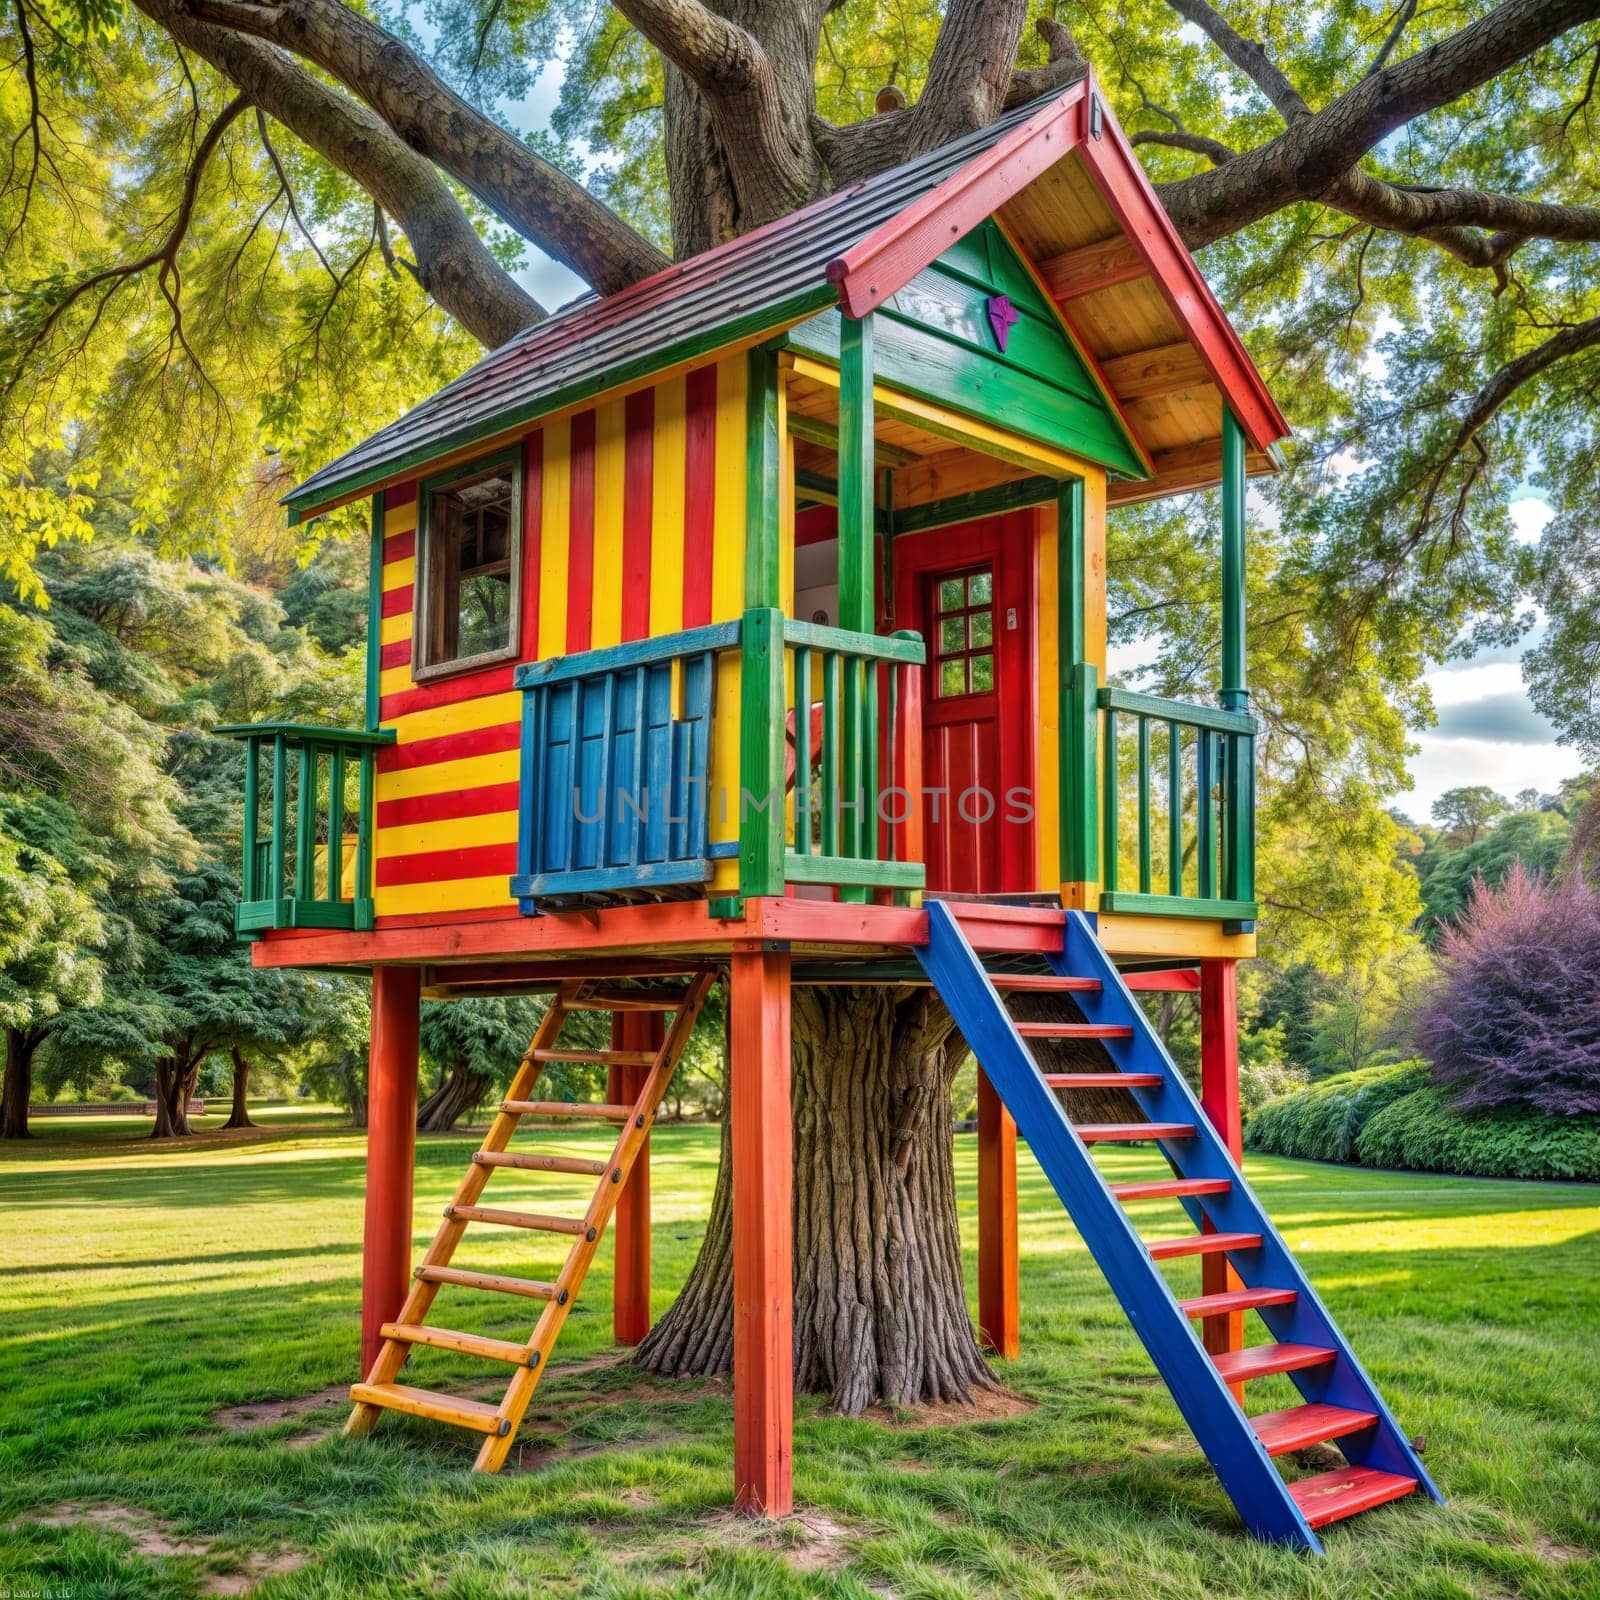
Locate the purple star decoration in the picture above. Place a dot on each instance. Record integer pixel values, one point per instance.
(1002, 316)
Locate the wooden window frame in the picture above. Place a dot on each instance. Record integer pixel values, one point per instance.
(936, 617)
(508, 463)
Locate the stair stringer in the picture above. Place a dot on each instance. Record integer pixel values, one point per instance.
(1341, 1382)
(1246, 1471)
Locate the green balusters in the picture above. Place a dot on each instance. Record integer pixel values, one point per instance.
(280, 812)
(336, 823)
(252, 820)
(1144, 805)
(1108, 864)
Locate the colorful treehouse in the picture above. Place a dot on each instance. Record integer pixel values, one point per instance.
(752, 622)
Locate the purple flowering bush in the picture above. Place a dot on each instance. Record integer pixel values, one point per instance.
(1513, 1024)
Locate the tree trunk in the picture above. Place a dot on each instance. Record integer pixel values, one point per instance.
(880, 1307)
(460, 1090)
(174, 1083)
(18, 1085)
(239, 1117)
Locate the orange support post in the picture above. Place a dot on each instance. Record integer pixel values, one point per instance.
(391, 1152)
(630, 1294)
(763, 1242)
(1219, 1098)
(999, 1306)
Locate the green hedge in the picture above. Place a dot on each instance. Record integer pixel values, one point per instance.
(1395, 1116)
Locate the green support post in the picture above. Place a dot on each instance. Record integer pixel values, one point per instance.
(364, 829)
(252, 819)
(280, 813)
(375, 613)
(763, 464)
(761, 758)
(857, 506)
(305, 824)
(1079, 690)
(1237, 775)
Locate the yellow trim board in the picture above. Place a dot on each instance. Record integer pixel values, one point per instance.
(1127, 934)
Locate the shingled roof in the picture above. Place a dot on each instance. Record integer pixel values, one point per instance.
(763, 281)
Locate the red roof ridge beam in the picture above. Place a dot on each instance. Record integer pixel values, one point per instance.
(1109, 160)
(883, 263)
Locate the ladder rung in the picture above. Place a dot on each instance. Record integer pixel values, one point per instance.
(1263, 1360)
(1046, 983)
(655, 999)
(568, 1108)
(1073, 1030)
(1169, 1188)
(472, 1414)
(1219, 1305)
(526, 1161)
(597, 1058)
(1300, 1426)
(495, 1282)
(1333, 1496)
(517, 1219)
(1130, 1132)
(1201, 1244)
(469, 1344)
(1104, 1080)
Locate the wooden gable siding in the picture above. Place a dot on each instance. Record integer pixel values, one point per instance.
(633, 527)
(933, 339)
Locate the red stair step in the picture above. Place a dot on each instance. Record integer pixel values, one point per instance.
(1124, 1132)
(1103, 1080)
(1333, 1496)
(1219, 1305)
(1201, 1244)
(1073, 1030)
(1046, 983)
(1300, 1426)
(1169, 1188)
(1262, 1360)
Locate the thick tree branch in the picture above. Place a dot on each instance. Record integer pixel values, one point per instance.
(1315, 152)
(1214, 150)
(1065, 65)
(1248, 56)
(968, 73)
(759, 94)
(453, 263)
(535, 197)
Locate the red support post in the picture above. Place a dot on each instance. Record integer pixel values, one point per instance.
(999, 1305)
(763, 1242)
(630, 1294)
(391, 1151)
(1219, 1098)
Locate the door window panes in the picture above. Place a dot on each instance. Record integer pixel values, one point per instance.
(964, 635)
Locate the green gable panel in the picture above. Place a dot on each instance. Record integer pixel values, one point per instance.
(934, 340)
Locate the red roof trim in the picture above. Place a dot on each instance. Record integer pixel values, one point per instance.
(1122, 182)
(894, 253)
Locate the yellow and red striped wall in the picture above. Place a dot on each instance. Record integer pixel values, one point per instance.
(633, 527)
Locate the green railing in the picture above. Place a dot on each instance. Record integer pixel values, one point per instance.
(1184, 817)
(825, 711)
(312, 868)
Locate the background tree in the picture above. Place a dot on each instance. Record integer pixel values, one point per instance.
(1466, 812)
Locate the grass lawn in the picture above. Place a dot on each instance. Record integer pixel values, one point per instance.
(144, 1291)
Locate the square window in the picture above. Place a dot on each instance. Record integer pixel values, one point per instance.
(982, 628)
(952, 636)
(953, 677)
(982, 674)
(950, 595)
(980, 589)
(469, 569)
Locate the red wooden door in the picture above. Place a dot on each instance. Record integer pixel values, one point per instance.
(968, 590)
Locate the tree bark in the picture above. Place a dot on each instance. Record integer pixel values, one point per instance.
(239, 1117)
(20, 1046)
(459, 1091)
(175, 1077)
(880, 1307)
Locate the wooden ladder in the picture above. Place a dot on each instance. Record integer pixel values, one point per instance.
(529, 1357)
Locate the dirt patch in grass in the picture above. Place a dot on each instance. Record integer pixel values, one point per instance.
(263, 1413)
(1559, 1554)
(986, 1405)
(809, 1540)
(152, 1537)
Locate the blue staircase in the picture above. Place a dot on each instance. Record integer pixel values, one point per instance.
(1340, 1403)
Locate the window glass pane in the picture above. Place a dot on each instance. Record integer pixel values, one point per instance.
(469, 569)
(952, 636)
(982, 674)
(982, 627)
(953, 677)
(950, 595)
(979, 587)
